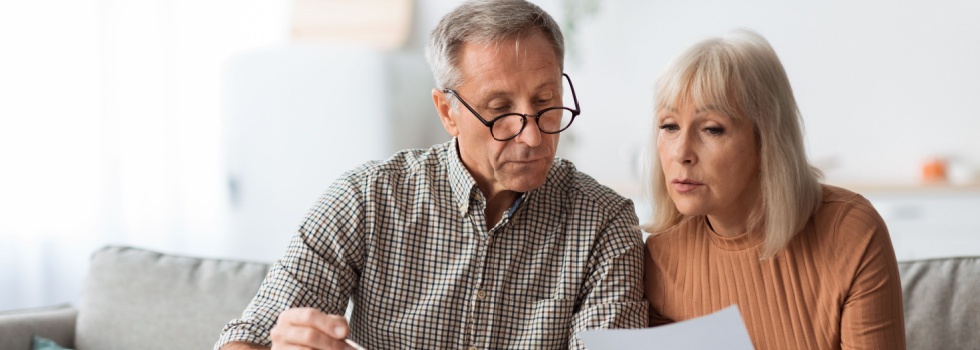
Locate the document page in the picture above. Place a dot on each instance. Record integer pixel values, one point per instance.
(723, 329)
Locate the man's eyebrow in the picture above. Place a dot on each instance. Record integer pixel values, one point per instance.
(501, 93)
(493, 94)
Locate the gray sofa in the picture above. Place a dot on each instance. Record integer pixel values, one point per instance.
(138, 299)
(942, 303)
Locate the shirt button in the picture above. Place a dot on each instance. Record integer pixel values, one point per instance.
(481, 295)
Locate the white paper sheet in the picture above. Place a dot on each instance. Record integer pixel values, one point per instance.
(723, 329)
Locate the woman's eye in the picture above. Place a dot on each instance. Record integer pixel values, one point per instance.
(669, 127)
(714, 130)
(500, 109)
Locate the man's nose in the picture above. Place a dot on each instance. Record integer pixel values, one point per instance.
(531, 135)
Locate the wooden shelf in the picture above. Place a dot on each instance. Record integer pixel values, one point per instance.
(384, 24)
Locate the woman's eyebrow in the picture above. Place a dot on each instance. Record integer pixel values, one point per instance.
(707, 108)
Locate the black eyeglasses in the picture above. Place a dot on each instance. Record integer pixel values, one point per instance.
(551, 120)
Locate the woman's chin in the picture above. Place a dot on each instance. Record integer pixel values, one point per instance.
(687, 208)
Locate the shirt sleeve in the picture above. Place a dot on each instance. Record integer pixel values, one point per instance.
(319, 269)
(613, 291)
(872, 315)
(654, 291)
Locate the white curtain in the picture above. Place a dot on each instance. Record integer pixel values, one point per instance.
(111, 131)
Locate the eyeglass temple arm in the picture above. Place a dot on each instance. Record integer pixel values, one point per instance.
(574, 97)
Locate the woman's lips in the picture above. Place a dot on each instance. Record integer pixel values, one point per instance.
(684, 185)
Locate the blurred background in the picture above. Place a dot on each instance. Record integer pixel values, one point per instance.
(209, 128)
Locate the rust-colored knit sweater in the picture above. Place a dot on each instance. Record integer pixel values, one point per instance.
(835, 286)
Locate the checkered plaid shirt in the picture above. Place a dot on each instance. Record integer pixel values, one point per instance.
(406, 239)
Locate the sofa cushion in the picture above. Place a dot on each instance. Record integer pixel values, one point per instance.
(942, 303)
(139, 299)
(18, 327)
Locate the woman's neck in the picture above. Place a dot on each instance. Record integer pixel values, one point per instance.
(730, 228)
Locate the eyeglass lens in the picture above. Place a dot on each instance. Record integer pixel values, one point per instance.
(552, 120)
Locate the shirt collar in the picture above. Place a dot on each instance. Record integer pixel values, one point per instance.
(464, 186)
(462, 183)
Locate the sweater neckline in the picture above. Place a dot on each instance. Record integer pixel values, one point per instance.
(742, 241)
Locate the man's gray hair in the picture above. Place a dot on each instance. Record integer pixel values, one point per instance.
(486, 22)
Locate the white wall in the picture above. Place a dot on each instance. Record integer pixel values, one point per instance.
(881, 84)
(297, 116)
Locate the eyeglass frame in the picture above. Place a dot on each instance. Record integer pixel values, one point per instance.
(537, 116)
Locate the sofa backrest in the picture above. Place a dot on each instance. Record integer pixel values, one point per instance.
(139, 299)
(942, 303)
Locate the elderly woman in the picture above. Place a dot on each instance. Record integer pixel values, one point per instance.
(740, 217)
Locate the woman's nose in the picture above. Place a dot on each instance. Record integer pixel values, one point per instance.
(683, 149)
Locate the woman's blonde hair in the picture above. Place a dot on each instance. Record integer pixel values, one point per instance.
(741, 76)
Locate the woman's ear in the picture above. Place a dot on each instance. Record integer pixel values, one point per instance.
(444, 107)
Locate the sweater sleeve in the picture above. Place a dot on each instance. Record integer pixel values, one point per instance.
(872, 316)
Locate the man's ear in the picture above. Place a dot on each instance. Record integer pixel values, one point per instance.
(443, 107)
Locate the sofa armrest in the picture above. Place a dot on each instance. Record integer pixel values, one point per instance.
(57, 323)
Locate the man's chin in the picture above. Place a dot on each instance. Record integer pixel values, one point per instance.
(525, 186)
(525, 176)
(524, 182)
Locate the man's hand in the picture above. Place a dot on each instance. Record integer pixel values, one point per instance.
(308, 328)
(303, 328)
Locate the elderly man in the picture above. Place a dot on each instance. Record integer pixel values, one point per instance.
(484, 242)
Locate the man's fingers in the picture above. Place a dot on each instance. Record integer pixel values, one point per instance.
(308, 328)
(292, 336)
(333, 325)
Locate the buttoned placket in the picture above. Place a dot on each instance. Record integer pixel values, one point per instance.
(476, 293)
(481, 295)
